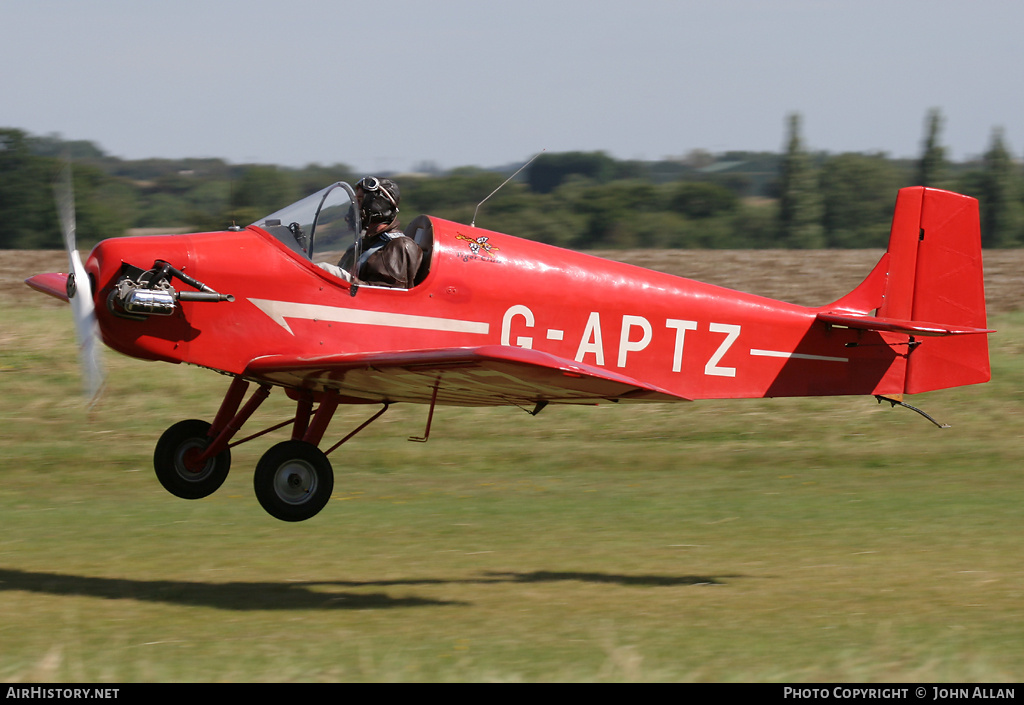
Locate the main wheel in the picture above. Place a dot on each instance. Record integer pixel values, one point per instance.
(176, 464)
(293, 481)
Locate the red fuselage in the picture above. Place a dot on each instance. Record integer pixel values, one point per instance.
(692, 339)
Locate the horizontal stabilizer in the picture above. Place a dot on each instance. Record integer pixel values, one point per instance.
(895, 325)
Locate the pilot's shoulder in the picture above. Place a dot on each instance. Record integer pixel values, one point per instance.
(397, 240)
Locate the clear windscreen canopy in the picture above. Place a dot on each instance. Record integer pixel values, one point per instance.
(327, 219)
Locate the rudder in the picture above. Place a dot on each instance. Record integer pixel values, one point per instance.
(935, 274)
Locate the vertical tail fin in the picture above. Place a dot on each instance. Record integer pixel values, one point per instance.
(935, 275)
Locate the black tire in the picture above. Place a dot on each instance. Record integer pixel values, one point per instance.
(172, 469)
(293, 481)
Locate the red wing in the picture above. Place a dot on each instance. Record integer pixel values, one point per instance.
(491, 375)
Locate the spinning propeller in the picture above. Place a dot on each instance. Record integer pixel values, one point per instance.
(80, 292)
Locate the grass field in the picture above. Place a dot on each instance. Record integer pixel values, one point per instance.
(779, 540)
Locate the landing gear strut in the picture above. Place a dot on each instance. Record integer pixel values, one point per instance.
(293, 480)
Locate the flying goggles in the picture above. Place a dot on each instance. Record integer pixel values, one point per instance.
(371, 184)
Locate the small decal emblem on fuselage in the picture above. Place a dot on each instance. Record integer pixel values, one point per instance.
(480, 246)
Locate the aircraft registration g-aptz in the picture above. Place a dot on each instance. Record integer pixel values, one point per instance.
(495, 320)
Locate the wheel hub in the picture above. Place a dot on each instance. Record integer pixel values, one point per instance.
(189, 465)
(295, 482)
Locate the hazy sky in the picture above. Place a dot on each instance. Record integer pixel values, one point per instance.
(389, 84)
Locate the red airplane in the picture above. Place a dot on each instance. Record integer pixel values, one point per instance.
(496, 320)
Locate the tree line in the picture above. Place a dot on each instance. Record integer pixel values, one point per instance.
(584, 200)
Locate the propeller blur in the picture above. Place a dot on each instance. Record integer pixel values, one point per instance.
(79, 292)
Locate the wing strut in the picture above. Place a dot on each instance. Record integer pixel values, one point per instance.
(360, 428)
(430, 414)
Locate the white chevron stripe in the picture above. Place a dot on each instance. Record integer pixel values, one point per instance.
(280, 311)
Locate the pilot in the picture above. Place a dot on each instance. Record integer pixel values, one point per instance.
(387, 257)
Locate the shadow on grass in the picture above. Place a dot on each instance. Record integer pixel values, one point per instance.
(247, 596)
(243, 596)
(544, 576)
